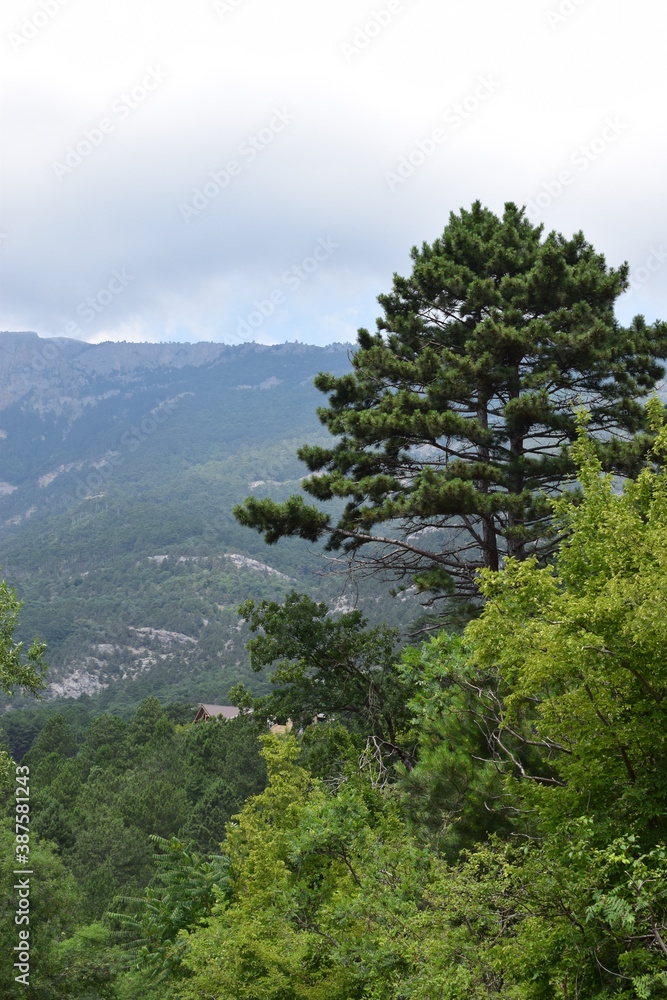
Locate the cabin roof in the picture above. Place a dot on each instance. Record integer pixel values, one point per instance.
(214, 711)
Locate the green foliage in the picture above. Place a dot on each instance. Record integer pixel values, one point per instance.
(577, 648)
(564, 676)
(223, 769)
(57, 737)
(185, 888)
(330, 664)
(101, 797)
(541, 748)
(99, 804)
(262, 943)
(16, 669)
(87, 966)
(454, 795)
(22, 726)
(331, 752)
(53, 913)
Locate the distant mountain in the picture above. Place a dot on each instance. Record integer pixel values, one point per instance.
(119, 466)
(74, 413)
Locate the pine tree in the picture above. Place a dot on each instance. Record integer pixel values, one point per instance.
(453, 428)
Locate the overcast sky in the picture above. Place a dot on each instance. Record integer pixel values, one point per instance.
(256, 170)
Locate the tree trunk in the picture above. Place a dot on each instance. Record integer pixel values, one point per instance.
(515, 547)
(489, 530)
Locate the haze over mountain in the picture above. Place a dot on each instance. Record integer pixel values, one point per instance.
(119, 466)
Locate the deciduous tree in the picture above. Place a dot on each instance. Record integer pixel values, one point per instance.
(330, 664)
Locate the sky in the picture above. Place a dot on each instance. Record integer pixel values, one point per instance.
(235, 170)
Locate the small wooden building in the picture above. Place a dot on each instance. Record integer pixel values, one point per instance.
(206, 712)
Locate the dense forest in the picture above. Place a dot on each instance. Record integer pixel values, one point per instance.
(477, 811)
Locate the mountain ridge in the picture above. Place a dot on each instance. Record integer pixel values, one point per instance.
(24, 354)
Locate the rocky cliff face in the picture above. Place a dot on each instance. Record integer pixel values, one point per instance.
(59, 369)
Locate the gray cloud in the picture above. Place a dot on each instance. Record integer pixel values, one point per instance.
(151, 105)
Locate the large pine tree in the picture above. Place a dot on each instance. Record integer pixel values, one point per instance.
(453, 428)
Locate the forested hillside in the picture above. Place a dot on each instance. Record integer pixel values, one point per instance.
(120, 466)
